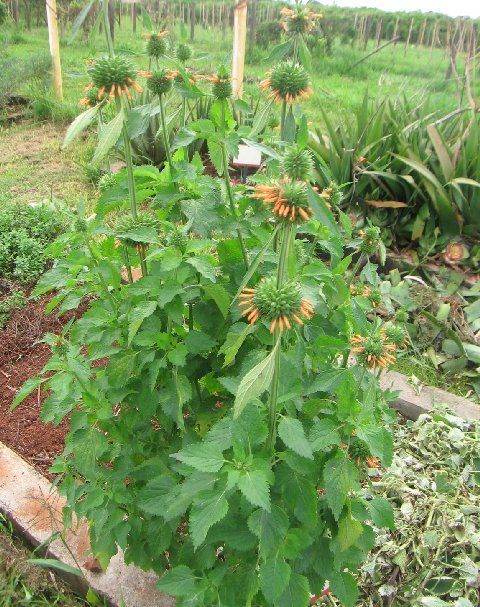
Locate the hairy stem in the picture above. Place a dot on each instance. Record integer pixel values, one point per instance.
(281, 274)
(166, 142)
(283, 115)
(228, 185)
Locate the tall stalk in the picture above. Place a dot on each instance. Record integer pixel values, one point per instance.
(273, 405)
(283, 115)
(166, 142)
(228, 185)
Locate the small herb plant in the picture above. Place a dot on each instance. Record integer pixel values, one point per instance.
(219, 429)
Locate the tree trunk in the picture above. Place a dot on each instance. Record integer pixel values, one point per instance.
(15, 12)
(192, 21)
(111, 17)
(253, 25)
(134, 18)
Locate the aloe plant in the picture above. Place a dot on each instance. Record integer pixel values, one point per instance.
(413, 173)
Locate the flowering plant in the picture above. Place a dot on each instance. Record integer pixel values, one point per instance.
(223, 454)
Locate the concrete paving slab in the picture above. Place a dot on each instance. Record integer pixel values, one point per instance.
(34, 507)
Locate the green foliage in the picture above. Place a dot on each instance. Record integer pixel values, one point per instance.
(197, 425)
(10, 303)
(25, 231)
(421, 187)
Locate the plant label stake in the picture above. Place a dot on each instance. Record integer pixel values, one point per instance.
(248, 157)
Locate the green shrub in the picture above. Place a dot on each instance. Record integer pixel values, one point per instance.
(25, 231)
(8, 304)
(269, 33)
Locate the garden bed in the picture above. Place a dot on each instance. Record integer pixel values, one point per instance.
(22, 357)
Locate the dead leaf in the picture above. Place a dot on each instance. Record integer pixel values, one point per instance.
(387, 204)
(93, 565)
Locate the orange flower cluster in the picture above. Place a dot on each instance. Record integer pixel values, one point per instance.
(290, 98)
(302, 19)
(282, 321)
(283, 205)
(375, 351)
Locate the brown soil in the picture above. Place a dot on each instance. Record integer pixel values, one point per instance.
(21, 358)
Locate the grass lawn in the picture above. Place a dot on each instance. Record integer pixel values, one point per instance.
(25, 585)
(339, 89)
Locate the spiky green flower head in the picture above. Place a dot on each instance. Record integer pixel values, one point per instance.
(287, 82)
(373, 349)
(113, 75)
(93, 97)
(184, 52)
(402, 315)
(134, 225)
(297, 164)
(106, 182)
(179, 239)
(395, 335)
(222, 86)
(280, 306)
(375, 297)
(161, 81)
(156, 46)
(299, 19)
(332, 194)
(358, 449)
(289, 199)
(370, 240)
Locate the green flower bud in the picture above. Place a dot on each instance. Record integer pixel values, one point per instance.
(128, 224)
(297, 164)
(156, 46)
(184, 52)
(222, 87)
(161, 81)
(112, 74)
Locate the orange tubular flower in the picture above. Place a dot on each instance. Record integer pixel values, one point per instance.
(280, 306)
(373, 350)
(289, 199)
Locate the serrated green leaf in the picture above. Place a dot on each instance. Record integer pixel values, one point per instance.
(381, 512)
(26, 389)
(220, 296)
(274, 575)
(206, 457)
(254, 486)
(255, 382)
(292, 434)
(204, 514)
(108, 137)
(296, 594)
(349, 530)
(340, 476)
(139, 313)
(324, 434)
(379, 441)
(80, 123)
(344, 587)
(269, 527)
(198, 341)
(179, 581)
(234, 341)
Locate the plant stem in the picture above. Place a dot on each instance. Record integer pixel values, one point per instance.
(127, 264)
(282, 120)
(166, 142)
(272, 412)
(228, 185)
(355, 268)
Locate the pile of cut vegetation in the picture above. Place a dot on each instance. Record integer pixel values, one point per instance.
(432, 559)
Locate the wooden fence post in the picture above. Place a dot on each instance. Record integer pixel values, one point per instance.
(54, 48)
(407, 43)
(238, 53)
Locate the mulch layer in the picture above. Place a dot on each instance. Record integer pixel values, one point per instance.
(21, 357)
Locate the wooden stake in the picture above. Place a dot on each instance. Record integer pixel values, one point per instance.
(238, 53)
(54, 48)
(407, 43)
